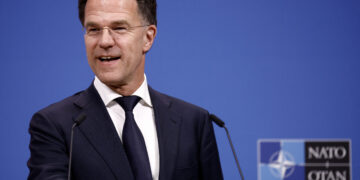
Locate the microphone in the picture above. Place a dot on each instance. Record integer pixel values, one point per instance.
(221, 124)
(77, 122)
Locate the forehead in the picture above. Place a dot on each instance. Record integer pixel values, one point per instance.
(106, 11)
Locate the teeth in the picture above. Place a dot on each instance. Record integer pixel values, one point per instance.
(108, 58)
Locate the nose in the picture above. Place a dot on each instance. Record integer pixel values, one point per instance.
(106, 40)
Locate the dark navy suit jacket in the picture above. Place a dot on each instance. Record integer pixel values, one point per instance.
(186, 138)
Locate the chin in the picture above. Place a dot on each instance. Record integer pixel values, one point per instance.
(110, 80)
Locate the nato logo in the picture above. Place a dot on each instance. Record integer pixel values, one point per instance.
(287, 159)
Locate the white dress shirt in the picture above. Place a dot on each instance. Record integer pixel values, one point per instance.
(143, 114)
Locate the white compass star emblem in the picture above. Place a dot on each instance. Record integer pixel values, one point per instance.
(282, 164)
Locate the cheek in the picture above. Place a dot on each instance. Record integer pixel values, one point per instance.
(90, 47)
(133, 43)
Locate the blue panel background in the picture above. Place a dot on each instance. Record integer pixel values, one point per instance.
(267, 150)
(269, 68)
(297, 150)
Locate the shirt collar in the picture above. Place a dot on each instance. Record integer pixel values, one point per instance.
(108, 95)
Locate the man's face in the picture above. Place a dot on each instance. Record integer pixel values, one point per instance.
(117, 60)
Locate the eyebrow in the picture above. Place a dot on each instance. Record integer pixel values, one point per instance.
(114, 23)
(90, 23)
(120, 22)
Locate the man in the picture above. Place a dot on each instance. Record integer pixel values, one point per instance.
(168, 138)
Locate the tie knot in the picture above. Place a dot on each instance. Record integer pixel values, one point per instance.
(128, 102)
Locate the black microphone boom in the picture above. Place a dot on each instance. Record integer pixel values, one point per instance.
(77, 122)
(221, 123)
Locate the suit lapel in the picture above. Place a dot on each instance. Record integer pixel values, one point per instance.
(168, 128)
(108, 144)
(101, 133)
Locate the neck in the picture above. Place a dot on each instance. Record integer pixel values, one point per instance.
(129, 88)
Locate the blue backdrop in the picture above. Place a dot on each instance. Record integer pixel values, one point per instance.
(269, 68)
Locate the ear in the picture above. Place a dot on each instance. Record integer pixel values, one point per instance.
(149, 37)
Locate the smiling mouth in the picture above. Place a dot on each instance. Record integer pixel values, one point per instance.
(108, 58)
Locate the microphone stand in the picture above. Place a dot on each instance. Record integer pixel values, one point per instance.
(221, 124)
(77, 122)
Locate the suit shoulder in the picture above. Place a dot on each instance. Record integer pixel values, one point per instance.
(180, 105)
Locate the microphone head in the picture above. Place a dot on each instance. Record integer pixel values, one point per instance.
(80, 119)
(217, 120)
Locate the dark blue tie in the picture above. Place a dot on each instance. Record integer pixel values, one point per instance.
(133, 140)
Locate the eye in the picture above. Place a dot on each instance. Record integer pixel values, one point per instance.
(119, 29)
(92, 30)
